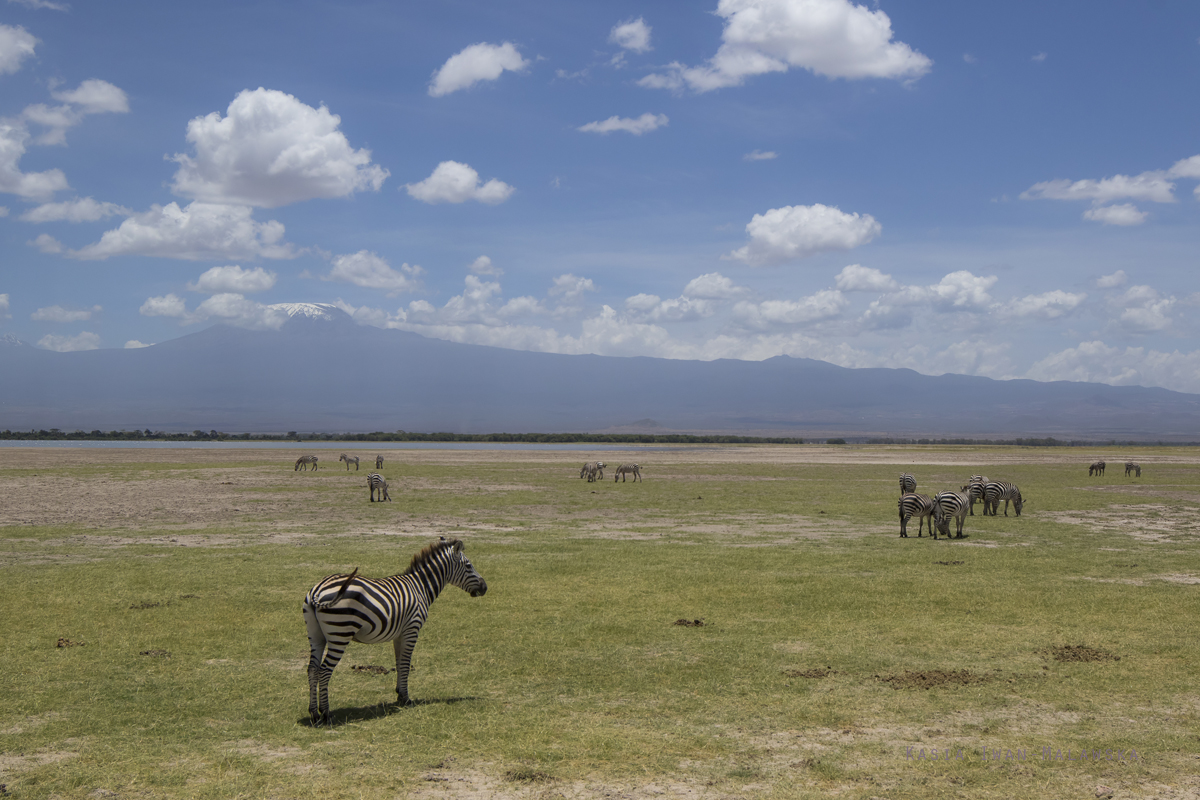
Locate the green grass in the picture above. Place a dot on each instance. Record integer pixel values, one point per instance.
(569, 673)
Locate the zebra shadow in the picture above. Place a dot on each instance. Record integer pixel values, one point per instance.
(344, 716)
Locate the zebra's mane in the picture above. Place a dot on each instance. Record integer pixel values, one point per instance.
(429, 552)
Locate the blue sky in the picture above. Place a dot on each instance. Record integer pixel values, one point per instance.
(1006, 190)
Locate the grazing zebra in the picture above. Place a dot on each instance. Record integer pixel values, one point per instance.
(1097, 468)
(995, 491)
(593, 470)
(914, 505)
(304, 461)
(628, 469)
(345, 608)
(376, 482)
(349, 460)
(947, 505)
(378, 462)
(908, 484)
(1131, 466)
(974, 490)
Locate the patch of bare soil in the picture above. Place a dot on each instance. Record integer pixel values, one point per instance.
(1079, 653)
(1145, 522)
(371, 669)
(932, 679)
(690, 623)
(65, 642)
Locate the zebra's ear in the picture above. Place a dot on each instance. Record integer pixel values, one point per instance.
(458, 545)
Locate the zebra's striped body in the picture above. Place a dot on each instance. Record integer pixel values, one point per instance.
(378, 462)
(1097, 468)
(974, 490)
(628, 469)
(593, 470)
(349, 460)
(1131, 466)
(948, 505)
(995, 491)
(376, 483)
(345, 608)
(914, 505)
(908, 484)
(304, 461)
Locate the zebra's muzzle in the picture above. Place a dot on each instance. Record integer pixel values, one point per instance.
(481, 591)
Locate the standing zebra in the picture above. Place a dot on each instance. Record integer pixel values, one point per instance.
(349, 460)
(345, 608)
(304, 461)
(947, 505)
(908, 484)
(593, 470)
(995, 491)
(628, 469)
(1131, 466)
(375, 482)
(914, 505)
(378, 462)
(1097, 468)
(974, 490)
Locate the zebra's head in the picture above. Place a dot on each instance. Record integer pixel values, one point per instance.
(1018, 501)
(462, 572)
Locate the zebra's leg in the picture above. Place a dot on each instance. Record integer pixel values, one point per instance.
(316, 652)
(403, 645)
(333, 656)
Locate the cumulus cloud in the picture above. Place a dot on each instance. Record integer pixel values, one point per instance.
(134, 344)
(46, 244)
(1141, 309)
(1097, 362)
(70, 344)
(60, 314)
(857, 278)
(484, 266)
(14, 137)
(229, 307)
(371, 271)
(713, 286)
(478, 62)
(823, 305)
(1048, 305)
(1149, 186)
(834, 38)
(270, 149)
(633, 34)
(16, 45)
(196, 232)
(80, 210)
(650, 307)
(1112, 281)
(760, 155)
(644, 124)
(4, 307)
(453, 182)
(233, 279)
(93, 96)
(163, 306)
(1124, 214)
(571, 287)
(794, 232)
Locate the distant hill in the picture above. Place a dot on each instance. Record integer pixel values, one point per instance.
(323, 372)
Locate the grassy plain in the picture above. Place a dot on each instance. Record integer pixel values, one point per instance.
(155, 647)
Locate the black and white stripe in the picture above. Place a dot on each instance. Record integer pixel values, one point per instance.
(378, 462)
(345, 608)
(305, 461)
(349, 460)
(914, 505)
(376, 483)
(628, 469)
(974, 490)
(947, 506)
(908, 484)
(1132, 466)
(593, 471)
(995, 491)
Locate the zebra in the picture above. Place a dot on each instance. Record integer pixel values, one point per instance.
(1131, 466)
(304, 461)
(1097, 468)
(974, 490)
(345, 608)
(375, 482)
(908, 484)
(995, 491)
(628, 469)
(349, 460)
(593, 470)
(914, 505)
(378, 462)
(947, 505)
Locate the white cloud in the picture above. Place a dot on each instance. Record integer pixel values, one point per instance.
(1151, 186)
(16, 45)
(233, 279)
(81, 210)
(164, 306)
(823, 305)
(1124, 214)
(4, 307)
(650, 307)
(95, 96)
(1185, 168)
(46, 243)
(1048, 305)
(35, 4)
(478, 62)
(834, 38)
(484, 266)
(1097, 362)
(1141, 309)
(196, 232)
(235, 309)
(962, 290)
(60, 314)
(1040, 57)
(633, 34)
(1118, 278)
(759, 155)
(795, 232)
(453, 182)
(713, 286)
(857, 278)
(644, 124)
(371, 271)
(70, 344)
(269, 150)
(14, 136)
(571, 287)
(134, 344)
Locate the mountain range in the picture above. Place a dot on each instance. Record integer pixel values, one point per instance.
(323, 372)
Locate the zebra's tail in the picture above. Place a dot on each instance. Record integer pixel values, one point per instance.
(341, 591)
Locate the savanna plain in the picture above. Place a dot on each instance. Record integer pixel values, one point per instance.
(745, 622)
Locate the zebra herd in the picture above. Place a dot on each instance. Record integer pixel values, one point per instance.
(594, 470)
(1131, 467)
(944, 506)
(375, 481)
